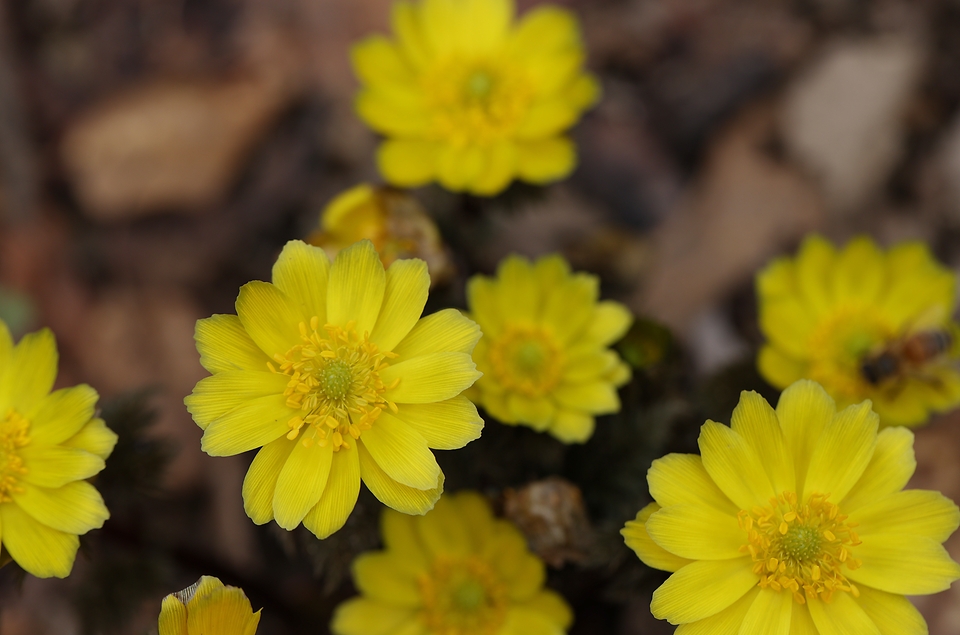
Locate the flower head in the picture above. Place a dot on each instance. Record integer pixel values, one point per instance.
(544, 352)
(208, 608)
(333, 374)
(391, 219)
(50, 443)
(864, 324)
(455, 571)
(471, 100)
(794, 520)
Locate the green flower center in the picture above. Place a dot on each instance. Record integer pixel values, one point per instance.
(801, 542)
(335, 379)
(470, 596)
(463, 596)
(479, 85)
(527, 360)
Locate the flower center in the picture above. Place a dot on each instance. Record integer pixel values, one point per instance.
(334, 383)
(476, 101)
(14, 434)
(527, 360)
(839, 344)
(463, 597)
(801, 546)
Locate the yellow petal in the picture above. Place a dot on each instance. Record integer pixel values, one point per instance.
(500, 168)
(788, 324)
(339, 496)
(893, 614)
(804, 410)
(842, 452)
(590, 365)
(595, 397)
(62, 414)
(610, 322)
(357, 282)
(536, 412)
(401, 536)
(552, 605)
(380, 577)
(443, 533)
(917, 284)
(778, 368)
(842, 616)
(75, 508)
(218, 394)
(801, 622)
(429, 378)
(910, 513)
(226, 610)
(524, 621)
(815, 264)
(40, 550)
(572, 426)
(405, 20)
(363, 616)
(250, 425)
(728, 620)
(33, 367)
(95, 438)
(6, 347)
(701, 589)
(769, 614)
(653, 555)
(547, 118)
(734, 466)
(546, 160)
(225, 345)
(777, 280)
(755, 421)
(697, 532)
(520, 295)
(890, 467)
(678, 479)
(546, 28)
(569, 306)
(401, 452)
(460, 167)
(915, 566)
(408, 162)
(55, 466)
(486, 23)
(400, 497)
(404, 297)
(260, 483)
(377, 60)
(445, 330)
(301, 482)
(483, 299)
(302, 272)
(858, 274)
(445, 425)
(270, 317)
(475, 513)
(173, 617)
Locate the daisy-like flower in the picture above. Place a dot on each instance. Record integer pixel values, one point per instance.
(393, 220)
(544, 353)
(469, 99)
(50, 443)
(208, 608)
(794, 521)
(865, 324)
(455, 571)
(332, 373)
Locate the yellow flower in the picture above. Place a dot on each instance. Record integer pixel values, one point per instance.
(392, 220)
(865, 324)
(544, 354)
(50, 443)
(794, 521)
(471, 100)
(208, 608)
(331, 370)
(455, 571)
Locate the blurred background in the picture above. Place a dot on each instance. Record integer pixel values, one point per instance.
(156, 154)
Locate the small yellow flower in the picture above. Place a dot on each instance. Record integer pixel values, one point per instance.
(208, 608)
(794, 520)
(331, 370)
(471, 100)
(391, 219)
(544, 354)
(50, 443)
(455, 571)
(864, 324)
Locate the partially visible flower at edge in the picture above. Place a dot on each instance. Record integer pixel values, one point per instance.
(208, 608)
(794, 520)
(332, 373)
(50, 444)
(865, 324)
(393, 220)
(469, 99)
(456, 570)
(544, 353)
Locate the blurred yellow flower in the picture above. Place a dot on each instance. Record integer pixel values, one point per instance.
(793, 521)
(455, 571)
(331, 370)
(864, 323)
(208, 608)
(544, 354)
(472, 100)
(50, 443)
(393, 220)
